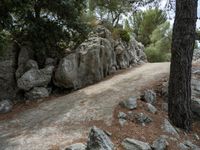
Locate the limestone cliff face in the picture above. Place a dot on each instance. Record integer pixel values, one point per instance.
(99, 56)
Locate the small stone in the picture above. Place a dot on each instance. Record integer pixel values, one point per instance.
(196, 137)
(151, 108)
(160, 144)
(132, 144)
(77, 146)
(142, 118)
(191, 145)
(169, 128)
(122, 115)
(183, 147)
(5, 106)
(98, 140)
(150, 96)
(130, 103)
(122, 122)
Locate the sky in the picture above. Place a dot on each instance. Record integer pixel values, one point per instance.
(163, 3)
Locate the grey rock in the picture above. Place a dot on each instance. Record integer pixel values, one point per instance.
(169, 128)
(98, 140)
(196, 136)
(130, 103)
(122, 115)
(132, 144)
(182, 146)
(150, 96)
(96, 58)
(77, 146)
(122, 122)
(142, 118)
(31, 64)
(188, 145)
(66, 75)
(160, 144)
(122, 118)
(151, 108)
(37, 93)
(5, 106)
(35, 78)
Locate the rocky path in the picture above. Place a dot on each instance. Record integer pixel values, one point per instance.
(62, 120)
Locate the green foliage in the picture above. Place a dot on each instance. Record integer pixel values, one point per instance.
(145, 22)
(121, 33)
(45, 23)
(5, 39)
(112, 10)
(159, 49)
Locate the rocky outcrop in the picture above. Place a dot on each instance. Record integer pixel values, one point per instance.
(96, 58)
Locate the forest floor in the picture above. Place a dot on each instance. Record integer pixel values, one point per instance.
(60, 121)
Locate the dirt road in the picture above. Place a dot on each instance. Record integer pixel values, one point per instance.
(61, 121)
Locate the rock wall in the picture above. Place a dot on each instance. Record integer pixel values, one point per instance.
(99, 56)
(96, 58)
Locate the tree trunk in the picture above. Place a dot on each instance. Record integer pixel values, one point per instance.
(183, 42)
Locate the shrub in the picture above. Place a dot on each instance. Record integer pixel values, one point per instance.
(121, 33)
(5, 39)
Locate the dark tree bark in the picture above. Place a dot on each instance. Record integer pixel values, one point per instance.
(183, 42)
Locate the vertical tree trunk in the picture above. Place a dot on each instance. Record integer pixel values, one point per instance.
(183, 42)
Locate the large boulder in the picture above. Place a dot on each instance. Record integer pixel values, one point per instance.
(35, 78)
(66, 73)
(8, 65)
(98, 140)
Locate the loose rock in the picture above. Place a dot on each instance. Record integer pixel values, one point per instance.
(169, 128)
(130, 103)
(132, 144)
(160, 144)
(77, 146)
(98, 140)
(187, 145)
(150, 96)
(5, 106)
(142, 118)
(151, 108)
